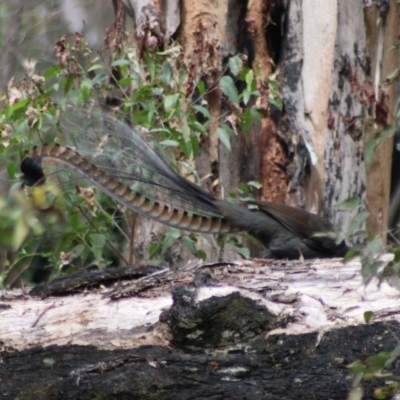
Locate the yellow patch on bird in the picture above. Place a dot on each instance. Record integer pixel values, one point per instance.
(46, 196)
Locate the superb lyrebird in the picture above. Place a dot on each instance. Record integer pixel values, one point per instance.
(119, 162)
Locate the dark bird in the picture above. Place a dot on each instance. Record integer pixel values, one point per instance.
(120, 163)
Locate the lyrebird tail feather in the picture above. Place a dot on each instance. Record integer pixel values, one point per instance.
(120, 163)
(117, 160)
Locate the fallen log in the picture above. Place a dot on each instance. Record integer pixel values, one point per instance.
(249, 329)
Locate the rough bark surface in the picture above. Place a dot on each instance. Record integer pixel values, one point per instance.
(335, 59)
(261, 329)
(382, 28)
(331, 60)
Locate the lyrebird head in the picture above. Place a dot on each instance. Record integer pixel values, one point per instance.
(33, 171)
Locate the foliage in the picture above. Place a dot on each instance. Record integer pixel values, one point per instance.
(370, 248)
(373, 368)
(77, 227)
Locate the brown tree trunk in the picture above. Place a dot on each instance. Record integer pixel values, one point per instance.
(331, 60)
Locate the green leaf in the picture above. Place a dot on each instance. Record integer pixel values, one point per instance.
(256, 184)
(190, 244)
(386, 392)
(377, 362)
(62, 103)
(96, 66)
(74, 221)
(235, 65)
(256, 117)
(186, 147)
(77, 251)
(201, 87)
(244, 251)
(201, 254)
(196, 126)
(229, 89)
(246, 96)
(195, 146)
(368, 315)
(54, 70)
(97, 240)
(357, 223)
(68, 83)
(250, 80)
(99, 78)
(125, 81)
(351, 254)
(154, 249)
(170, 102)
(173, 233)
(277, 102)
(167, 72)
(374, 142)
(11, 169)
(223, 136)
(375, 245)
(203, 111)
(170, 238)
(357, 367)
(9, 112)
(394, 354)
(190, 168)
(20, 104)
(185, 130)
(349, 204)
(86, 87)
(118, 63)
(247, 120)
(169, 143)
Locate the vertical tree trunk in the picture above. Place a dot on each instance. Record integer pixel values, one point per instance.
(382, 33)
(331, 60)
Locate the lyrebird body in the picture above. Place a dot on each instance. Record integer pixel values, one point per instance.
(119, 162)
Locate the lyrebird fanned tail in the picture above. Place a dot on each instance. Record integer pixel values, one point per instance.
(112, 156)
(118, 161)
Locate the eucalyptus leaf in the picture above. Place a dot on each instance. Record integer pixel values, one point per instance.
(169, 143)
(97, 240)
(357, 223)
(223, 136)
(375, 142)
(203, 111)
(235, 65)
(170, 102)
(229, 89)
(349, 204)
(244, 251)
(190, 244)
(118, 63)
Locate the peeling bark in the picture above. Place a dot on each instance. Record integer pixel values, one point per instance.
(327, 77)
(347, 114)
